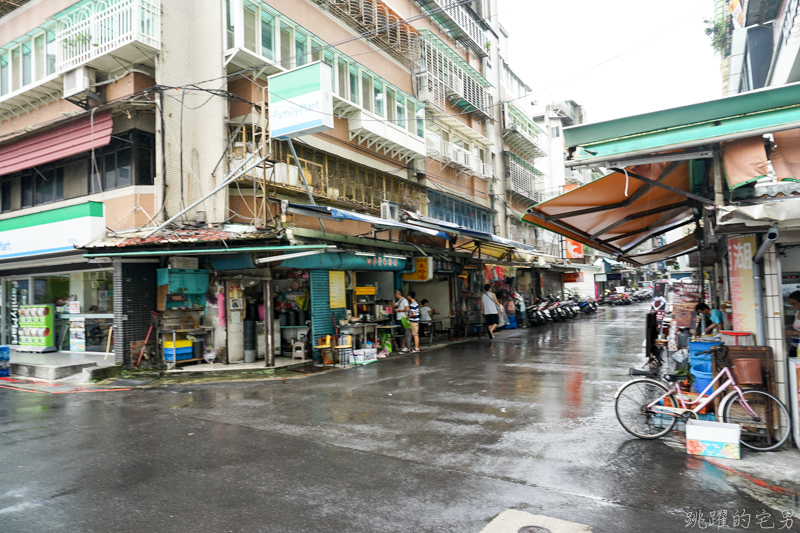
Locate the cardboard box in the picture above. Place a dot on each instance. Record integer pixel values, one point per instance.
(713, 439)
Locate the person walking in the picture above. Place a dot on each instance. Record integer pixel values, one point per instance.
(490, 308)
(400, 305)
(413, 318)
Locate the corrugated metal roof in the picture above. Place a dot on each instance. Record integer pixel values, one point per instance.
(178, 236)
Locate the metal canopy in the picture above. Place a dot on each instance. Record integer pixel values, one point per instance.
(617, 212)
(341, 214)
(734, 117)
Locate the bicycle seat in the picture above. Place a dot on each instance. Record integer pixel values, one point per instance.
(672, 378)
(637, 372)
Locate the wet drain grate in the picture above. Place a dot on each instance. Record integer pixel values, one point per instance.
(533, 529)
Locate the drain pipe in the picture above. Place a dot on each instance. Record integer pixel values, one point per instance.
(770, 238)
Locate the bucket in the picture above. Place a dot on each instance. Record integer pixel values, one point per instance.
(198, 348)
(702, 376)
(747, 371)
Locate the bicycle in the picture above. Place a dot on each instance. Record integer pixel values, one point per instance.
(648, 409)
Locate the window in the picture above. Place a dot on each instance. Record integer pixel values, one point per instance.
(300, 49)
(377, 89)
(316, 51)
(400, 116)
(16, 70)
(341, 74)
(456, 211)
(27, 64)
(50, 51)
(286, 46)
(555, 132)
(366, 90)
(353, 84)
(229, 23)
(5, 196)
(4, 74)
(267, 35)
(421, 122)
(49, 186)
(41, 63)
(27, 188)
(391, 102)
(249, 12)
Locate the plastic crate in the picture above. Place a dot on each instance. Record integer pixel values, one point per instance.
(179, 357)
(4, 373)
(179, 351)
(178, 344)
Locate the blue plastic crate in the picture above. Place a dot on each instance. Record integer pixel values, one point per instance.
(180, 351)
(5, 373)
(179, 357)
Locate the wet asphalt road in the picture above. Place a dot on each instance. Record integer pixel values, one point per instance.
(442, 441)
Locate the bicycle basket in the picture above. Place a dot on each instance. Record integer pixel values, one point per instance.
(747, 371)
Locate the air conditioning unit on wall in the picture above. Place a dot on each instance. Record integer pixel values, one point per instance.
(78, 81)
(390, 211)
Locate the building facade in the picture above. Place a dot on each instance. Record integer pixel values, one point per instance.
(119, 115)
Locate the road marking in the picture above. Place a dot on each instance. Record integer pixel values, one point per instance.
(513, 521)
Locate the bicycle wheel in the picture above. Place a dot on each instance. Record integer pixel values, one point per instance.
(632, 412)
(757, 434)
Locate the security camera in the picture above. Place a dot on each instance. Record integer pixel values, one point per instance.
(773, 234)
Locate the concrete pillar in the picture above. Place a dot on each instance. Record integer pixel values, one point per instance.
(773, 319)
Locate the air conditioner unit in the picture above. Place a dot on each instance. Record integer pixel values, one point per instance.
(77, 81)
(456, 88)
(390, 211)
(349, 279)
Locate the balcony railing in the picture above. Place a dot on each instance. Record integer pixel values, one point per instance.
(459, 23)
(375, 132)
(447, 77)
(523, 179)
(336, 180)
(522, 134)
(119, 23)
(381, 25)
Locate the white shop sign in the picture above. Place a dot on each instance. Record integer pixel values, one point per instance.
(50, 232)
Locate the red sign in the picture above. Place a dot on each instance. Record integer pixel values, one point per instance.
(572, 277)
(574, 249)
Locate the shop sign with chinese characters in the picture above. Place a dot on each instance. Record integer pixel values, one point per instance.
(423, 270)
(740, 265)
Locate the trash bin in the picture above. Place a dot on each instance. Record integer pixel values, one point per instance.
(198, 348)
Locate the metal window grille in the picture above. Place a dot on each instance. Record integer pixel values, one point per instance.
(449, 209)
(523, 179)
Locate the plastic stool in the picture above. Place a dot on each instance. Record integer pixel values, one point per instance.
(298, 350)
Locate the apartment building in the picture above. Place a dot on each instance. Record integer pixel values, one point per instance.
(117, 115)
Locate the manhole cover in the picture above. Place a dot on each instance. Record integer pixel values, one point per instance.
(533, 529)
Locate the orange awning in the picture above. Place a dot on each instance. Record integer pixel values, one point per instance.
(616, 213)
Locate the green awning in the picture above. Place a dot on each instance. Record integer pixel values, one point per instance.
(735, 117)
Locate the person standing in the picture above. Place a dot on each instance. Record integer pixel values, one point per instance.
(490, 308)
(426, 316)
(413, 318)
(793, 332)
(400, 305)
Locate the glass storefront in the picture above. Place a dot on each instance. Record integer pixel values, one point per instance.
(84, 307)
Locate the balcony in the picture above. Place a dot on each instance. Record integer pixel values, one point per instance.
(122, 27)
(377, 133)
(567, 112)
(455, 19)
(523, 180)
(103, 35)
(380, 24)
(522, 134)
(446, 77)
